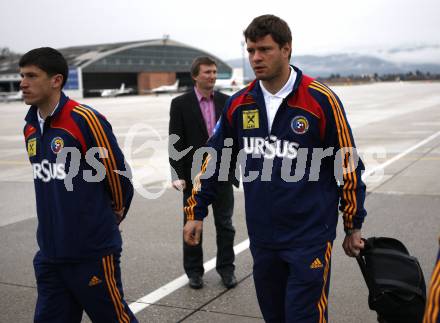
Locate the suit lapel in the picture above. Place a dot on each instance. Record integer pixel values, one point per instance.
(195, 109)
(218, 103)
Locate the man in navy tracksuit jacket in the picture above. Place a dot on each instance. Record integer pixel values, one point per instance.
(290, 135)
(81, 198)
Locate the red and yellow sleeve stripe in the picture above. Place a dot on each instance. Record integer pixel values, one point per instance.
(110, 163)
(28, 131)
(433, 302)
(346, 145)
(189, 210)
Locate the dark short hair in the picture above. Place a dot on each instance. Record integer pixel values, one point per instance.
(201, 60)
(47, 59)
(269, 25)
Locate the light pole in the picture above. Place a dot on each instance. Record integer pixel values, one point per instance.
(243, 62)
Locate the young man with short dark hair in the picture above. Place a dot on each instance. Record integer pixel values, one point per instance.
(79, 204)
(287, 123)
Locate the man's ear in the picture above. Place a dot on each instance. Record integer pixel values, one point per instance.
(57, 81)
(287, 49)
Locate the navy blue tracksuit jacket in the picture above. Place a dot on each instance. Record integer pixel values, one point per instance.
(283, 208)
(76, 223)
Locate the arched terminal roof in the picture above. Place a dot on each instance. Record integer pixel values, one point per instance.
(157, 55)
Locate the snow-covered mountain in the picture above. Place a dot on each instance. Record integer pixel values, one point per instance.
(416, 54)
(424, 58)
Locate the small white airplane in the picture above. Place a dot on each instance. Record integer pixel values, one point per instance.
(173, 88)
(110, 93)
(234, 83)
(16, 96)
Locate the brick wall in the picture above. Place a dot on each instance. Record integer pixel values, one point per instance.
(148, 81)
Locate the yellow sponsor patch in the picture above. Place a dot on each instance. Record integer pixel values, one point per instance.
(251, 119)
(32, 147)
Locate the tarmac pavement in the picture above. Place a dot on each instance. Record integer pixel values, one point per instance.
(405, 203)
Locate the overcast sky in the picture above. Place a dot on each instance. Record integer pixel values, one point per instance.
(319, 26)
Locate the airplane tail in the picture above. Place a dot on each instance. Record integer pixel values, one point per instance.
(235, 82)
(237, 75)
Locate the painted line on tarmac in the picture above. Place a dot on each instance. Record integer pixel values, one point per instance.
(177, 283)
(181, 281)
(399, 156)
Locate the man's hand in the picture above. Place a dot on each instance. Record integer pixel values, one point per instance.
(353, 243)
(119, 214)
(192, 232)
(179, 184)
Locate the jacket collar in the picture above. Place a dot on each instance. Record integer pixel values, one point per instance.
(31, 116)
(257, 92)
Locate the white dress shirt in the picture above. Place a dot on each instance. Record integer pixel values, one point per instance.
(273, 101)
(41, 120)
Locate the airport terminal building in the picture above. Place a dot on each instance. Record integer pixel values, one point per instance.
(140, 66)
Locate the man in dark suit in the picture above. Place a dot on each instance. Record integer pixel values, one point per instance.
(193, 116)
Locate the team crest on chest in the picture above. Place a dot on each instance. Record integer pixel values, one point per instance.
(251, 119)
(32, 147)
(300, 125)
(57, 144)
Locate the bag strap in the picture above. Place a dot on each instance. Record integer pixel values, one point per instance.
(362, 265)
(361, 261)
(387, 252)
(402, 285)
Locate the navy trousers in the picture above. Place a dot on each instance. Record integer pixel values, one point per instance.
(222, 207)
(65, 290)
(292, 285)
